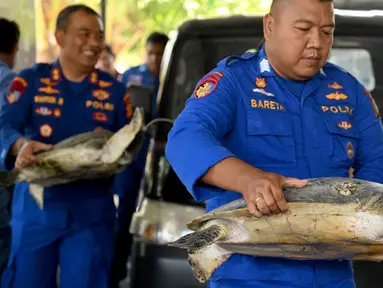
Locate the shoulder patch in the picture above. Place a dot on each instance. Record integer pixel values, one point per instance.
(208, 84)
(16, 89)
(374, 106)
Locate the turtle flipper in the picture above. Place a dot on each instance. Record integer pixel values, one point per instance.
(201, 238)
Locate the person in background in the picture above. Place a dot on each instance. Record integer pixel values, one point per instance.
(148, 73)
(44, 105)
(262, 121)
(127, 183)
(106, 62)
(10, 36)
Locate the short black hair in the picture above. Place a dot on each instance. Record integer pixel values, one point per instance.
(276, 2)
(63, 18)
(10, 35)
(157, 37)
(109, 50)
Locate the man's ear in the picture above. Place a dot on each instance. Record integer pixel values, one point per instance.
(60, 37)
(268, 26)
(15, 49)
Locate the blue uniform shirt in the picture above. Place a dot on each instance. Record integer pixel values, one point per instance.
(317, 128)
(140, 75)
(6, 77)
(43, 105)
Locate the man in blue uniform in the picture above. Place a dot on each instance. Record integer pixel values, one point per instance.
(148, 74)
(266, 120)
(128, 182)
(106, 62)
(46, 104)
(8, 51)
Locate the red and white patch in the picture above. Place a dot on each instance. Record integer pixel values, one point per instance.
(100, 116)
(208, 84)
(16, 90)
(46, 130)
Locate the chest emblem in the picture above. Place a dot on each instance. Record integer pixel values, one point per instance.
(335, 86)
(100, 116)
(100, 94)
(43, 111)
(46, 130)
(336, 96)
(260, 83)
(345, 125)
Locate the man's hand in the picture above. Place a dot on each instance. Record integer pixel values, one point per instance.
(98, 129)
(264, 195)
(27, 153)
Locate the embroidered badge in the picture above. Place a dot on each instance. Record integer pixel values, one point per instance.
(345, 125)
(335, 86)
(336, 96)
(43, 111)
(57, 112)
(100, 116)
(49, 90)
(260, 83)
(55, 74)
(46, 130)
(350, 150)
(104, 84)
(207, 85)
(100, 94)
(16, 89)
(93, 77)
(61, 101)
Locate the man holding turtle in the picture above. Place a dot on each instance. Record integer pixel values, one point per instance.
(262, 121)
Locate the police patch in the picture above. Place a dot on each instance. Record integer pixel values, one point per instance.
(16, 89)
(208, 84)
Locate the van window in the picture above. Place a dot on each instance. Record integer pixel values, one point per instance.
(357, 62)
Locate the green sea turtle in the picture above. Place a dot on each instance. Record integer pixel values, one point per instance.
(331, 218)
(84, 156)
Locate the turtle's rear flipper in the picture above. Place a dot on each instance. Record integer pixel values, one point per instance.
(205, 256)
(201, 238)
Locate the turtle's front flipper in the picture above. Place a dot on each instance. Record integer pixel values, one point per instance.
(204, 255)
(201, 238)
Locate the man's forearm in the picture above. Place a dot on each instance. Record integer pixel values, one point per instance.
(19, 143)
(230, 174)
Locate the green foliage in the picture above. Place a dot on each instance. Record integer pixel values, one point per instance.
(128, 22)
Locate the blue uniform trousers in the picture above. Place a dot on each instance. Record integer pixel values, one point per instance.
(38, 251)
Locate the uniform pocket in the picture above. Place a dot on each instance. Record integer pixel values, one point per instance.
(343, 140)
(270, 139)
